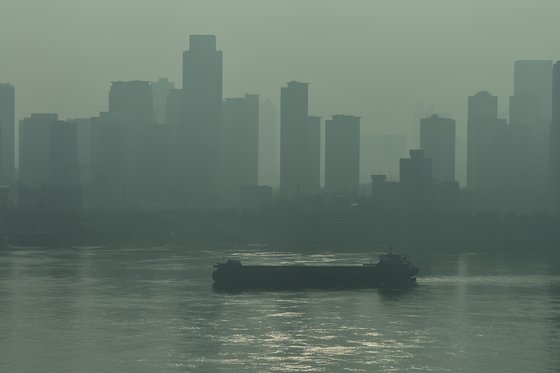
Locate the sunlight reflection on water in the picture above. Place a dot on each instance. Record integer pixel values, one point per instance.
(153, 309)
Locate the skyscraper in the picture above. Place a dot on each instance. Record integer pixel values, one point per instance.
(241, 143)
(300, 149)
(530, 115)
(132, 104)
(49, 170)
(269, 144)
(488, 151)
(174, 108)
(63, 157)
(437, 139)
(7, 133)
(175, 123)
(482, 113)
(486, 140)
(311, 183)
(199, 140)
(83, 128)
(154, 167)
(533, 78)
(555, 140)
(160, 90)
(342, 154)
(133, 98)
(109, 163)
(35, 150)
(415, 178)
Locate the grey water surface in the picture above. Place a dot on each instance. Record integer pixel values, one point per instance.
(123, 309)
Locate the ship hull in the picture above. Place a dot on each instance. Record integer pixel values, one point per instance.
(310, 277)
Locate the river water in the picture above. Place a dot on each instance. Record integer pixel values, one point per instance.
(122, 309)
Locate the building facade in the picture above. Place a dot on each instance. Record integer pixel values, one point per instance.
(198, 140)
(342, 154)
(7, 134)
(489, 153)
(555, 140)
(415, 178)
(530, 116)
(300, 143)
(240, 144)
(437, 139)
(160, 90)
(49, 171)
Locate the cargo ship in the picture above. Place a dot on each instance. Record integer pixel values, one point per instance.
(392, 270)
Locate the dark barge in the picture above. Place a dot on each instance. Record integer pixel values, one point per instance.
(392, 270)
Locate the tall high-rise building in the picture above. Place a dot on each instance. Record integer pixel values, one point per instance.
(240, 143)
(293, 122)
(109, 163)
(482, 113)
(160, 90)
(533, 78)
(134, 98)
(437, 139)
(35, 150)
(489, 150)
(530, 114)
(529, 155)
(415, 178)
(174, 109)
(64, 168)
(300, 141)
(487, 142)
(132, 104)
(83, 127)
(7, 133)
(174, 122)
(49, 170)
(342, 154)
(154, 167)
(311, 184)
(555, 140)
(198, 141)
(269, 144)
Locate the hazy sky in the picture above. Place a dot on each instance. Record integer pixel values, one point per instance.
(380, 59)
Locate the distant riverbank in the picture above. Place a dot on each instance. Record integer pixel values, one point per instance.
(328, 229)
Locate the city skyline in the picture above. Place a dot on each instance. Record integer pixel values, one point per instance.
(461, 150)
(392, 76)
(207, 148)
(204, 126)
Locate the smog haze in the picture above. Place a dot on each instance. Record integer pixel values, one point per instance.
(390, 62)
